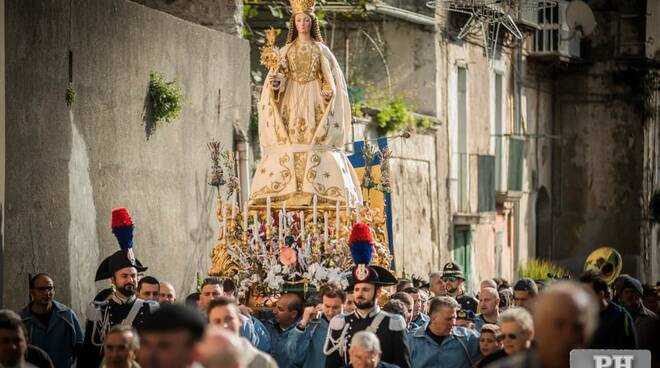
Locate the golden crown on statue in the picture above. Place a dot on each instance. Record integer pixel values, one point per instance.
(302, 6)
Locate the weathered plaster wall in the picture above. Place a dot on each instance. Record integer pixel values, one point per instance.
(418, 209)
(650, 226)
(653, 29)
(537, 99)
(598, 168)
(3, 144)
(389, 52)
(67, 169)
(221, 15)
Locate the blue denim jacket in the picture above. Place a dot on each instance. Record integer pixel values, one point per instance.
(278, 340)
(62, 336)
(255, 332)
(425, 352)
(305, 348)
(421, 320)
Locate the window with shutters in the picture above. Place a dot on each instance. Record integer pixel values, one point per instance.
(486, 187)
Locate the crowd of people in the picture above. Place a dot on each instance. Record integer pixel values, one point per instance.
(140, 322)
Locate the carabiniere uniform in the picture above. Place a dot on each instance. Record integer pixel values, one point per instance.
(109, 308)
(389, 328)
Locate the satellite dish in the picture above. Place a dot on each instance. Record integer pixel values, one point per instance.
(580, 18)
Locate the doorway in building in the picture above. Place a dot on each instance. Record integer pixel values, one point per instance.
(543, 225)
(463, 252)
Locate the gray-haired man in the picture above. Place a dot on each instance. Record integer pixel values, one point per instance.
(440, 340)
(365, 351)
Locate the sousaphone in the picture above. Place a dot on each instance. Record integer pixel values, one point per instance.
(606, 260)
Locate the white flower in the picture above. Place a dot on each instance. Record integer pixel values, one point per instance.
(311, 269)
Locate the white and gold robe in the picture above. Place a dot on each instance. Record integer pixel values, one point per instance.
(302, 134)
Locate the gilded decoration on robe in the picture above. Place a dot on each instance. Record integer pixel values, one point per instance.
(296, 118)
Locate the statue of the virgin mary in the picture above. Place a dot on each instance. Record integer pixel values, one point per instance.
(304, 122)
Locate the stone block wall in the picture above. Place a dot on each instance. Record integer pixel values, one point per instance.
(221, 15)
(67, 168)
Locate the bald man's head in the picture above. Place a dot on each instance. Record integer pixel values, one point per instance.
(489, 301)
(488, 283)
(565, 318)
(220, 349)
(167, 293)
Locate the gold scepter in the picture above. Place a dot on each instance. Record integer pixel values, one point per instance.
(270, 57)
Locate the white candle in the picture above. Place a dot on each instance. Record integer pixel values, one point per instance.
(224, 221)
(245, 216)
(348, 209)
(357, 213)
(268, 212)
(281, 232)
(325, 226)
(302, 227)
(233, 208)
(255, 232)
(314, 203)
(337, 217)
(285, 226)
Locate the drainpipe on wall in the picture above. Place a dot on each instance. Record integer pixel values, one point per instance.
(242, 147)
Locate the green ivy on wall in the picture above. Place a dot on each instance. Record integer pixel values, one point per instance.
(390, 115)
(394, 116)
(70, 95)
(166, 97)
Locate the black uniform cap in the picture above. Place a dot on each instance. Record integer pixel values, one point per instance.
(377, 275)
(118, 260)
(452, 269)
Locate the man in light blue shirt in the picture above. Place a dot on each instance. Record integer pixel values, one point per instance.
(305, 344)
(287, 313)
(419, 318)
(440, 340)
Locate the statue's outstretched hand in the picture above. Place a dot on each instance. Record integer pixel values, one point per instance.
(275, 80)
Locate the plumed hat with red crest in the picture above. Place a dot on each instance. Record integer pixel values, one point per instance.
(361, 243)
(122, 228)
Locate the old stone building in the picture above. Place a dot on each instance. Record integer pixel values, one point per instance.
(522, 160)
(604, 166)
(465, 187)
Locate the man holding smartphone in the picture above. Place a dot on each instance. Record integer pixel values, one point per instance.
(305, 344)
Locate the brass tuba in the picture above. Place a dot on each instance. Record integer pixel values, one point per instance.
(606, 260)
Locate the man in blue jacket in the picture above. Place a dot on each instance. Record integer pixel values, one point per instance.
(51, 326)
(440, 340)
(419, 318)
(305, 344)
(286, 313)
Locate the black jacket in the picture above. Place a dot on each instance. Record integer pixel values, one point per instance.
(91, 353)
(616, 329)
(391, 334)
